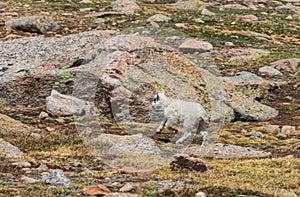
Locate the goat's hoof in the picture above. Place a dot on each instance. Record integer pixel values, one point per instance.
(158, 132)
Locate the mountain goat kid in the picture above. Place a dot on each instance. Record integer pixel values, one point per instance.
(191, 115)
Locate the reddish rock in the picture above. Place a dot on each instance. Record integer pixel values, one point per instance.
(95, 191)
(191, 163)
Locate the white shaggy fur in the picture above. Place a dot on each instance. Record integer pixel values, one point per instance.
(191, 115)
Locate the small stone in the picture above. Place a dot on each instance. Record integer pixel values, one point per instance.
(42, 168)
(117, 194)
(103, 188)
(27, 179)
(35, 135)
(207, 12)
(22, 164)
(193, 45)
(86, 2)
(272, 129)
(126, 6)
(159, 18)
(249, 18)
(284, 193)
(258, 135)
(233, 6)
(269, 70)
(95, 191)
(288, 130)
(99, 21)
(50, 129)
(229, 44)
(187, 162)
(77, 164)
(126, 188)
(43, 115)
(60, 120)
(85, 9)
(200, 194)
(26, 170)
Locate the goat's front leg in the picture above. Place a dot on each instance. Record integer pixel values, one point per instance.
(204, 134)
(161, 126)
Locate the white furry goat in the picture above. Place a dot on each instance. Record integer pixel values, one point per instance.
(191, 115)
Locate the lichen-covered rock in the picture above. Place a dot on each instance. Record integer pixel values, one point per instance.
(58, 178)
(34, 24)
(248, 109)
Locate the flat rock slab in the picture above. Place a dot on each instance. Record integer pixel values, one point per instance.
(9, 150)
(224, 151)
(34, 24)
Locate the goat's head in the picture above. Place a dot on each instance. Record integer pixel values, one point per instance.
(157, 98)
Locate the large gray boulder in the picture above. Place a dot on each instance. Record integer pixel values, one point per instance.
(64, 105)
(34, 24)
(248, 109)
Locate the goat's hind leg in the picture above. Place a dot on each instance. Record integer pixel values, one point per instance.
(187, 133)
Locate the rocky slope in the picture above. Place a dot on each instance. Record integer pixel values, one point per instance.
(77, 85)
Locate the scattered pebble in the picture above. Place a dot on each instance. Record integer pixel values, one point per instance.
(126, 188)
(200, 194)
(258, 135)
